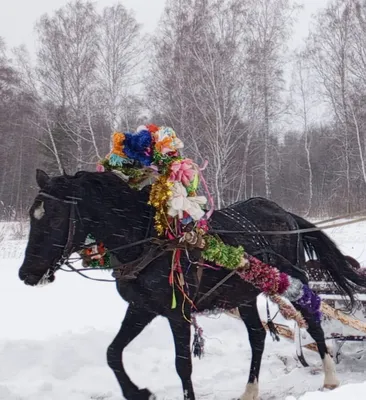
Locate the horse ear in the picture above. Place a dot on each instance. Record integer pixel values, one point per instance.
(42, 178)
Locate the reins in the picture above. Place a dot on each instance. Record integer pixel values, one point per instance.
(291, 232)
(80, 272)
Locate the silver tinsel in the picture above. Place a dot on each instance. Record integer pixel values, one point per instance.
(295, 290)
(89, 240)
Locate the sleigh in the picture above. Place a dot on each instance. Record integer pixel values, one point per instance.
(332, 304)
(353, 326)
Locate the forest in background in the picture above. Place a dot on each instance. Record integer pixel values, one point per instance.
(287, 125)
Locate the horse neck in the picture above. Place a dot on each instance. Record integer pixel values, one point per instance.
(121, 217)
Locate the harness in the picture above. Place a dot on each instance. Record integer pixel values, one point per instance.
(130, 270)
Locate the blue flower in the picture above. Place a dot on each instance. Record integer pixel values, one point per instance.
(137, 146)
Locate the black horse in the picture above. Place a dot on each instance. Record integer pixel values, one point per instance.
(68, 208)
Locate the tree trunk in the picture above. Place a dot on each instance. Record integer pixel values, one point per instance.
(267, 179)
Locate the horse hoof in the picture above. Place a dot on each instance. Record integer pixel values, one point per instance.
(144, 394)
(332, 386)
(251, 391)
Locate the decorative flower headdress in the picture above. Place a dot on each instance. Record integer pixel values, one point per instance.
(151, 156)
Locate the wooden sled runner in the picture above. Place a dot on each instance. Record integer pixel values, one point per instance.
(338, 339)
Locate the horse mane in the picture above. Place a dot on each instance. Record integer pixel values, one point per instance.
(85, 183)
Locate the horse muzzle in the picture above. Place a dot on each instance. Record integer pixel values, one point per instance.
(36, 280)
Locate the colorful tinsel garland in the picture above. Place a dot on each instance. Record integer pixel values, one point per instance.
(266, 278)
(94, 254)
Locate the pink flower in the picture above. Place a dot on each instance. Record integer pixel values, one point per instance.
(182, 171)
(100, 168)
(202, 224)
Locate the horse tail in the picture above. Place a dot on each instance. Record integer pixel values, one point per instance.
(334, 265)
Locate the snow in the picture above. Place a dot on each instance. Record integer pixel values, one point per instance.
(53, 342)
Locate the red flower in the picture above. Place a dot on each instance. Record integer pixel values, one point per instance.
(152, 128)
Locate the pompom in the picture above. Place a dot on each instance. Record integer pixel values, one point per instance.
(311, 302)
(118, 141)
(138, 147)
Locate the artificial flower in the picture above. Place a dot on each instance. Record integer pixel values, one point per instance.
(164, 145)
(100, 168)
(182, 171)
(117, 157)
(152, 128)
(180, 202)
(118, 140)
(141, 128)
(137, 146)
(166, 140)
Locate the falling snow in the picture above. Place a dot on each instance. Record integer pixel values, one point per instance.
(53, 342)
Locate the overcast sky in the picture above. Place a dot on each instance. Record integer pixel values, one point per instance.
(17, 17)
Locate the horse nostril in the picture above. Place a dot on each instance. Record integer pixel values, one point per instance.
(31, 280)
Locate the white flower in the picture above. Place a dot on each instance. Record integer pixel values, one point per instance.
(179, 202)
(141, 128)
(169, 138)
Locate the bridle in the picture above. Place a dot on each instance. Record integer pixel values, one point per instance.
(69, 246)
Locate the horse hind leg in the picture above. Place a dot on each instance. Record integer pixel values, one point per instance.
(315, 329)
(257, 335)
(331, 380)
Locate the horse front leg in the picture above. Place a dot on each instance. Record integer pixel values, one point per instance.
(181, 330)
(134, 322)
(257, 335)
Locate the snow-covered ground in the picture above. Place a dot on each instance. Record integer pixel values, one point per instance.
(53, 342)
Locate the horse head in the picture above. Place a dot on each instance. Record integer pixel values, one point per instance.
(52, 218)
(68, 208)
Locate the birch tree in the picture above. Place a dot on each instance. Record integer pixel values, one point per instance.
(66, 64)
(119, 53)
(329, 50)
(198, 85)
(304, 101)
(269, 24)
(170, 64)
(357, 67)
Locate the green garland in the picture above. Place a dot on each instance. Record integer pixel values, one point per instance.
(136, 175)
(163, 161)
(224, 255)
